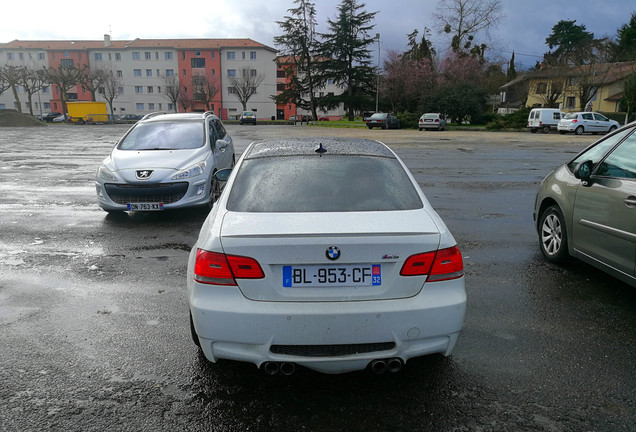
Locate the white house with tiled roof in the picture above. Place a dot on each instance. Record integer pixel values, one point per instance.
(143, 64)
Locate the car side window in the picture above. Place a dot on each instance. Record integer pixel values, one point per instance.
(600, 117)
(598, 152)
(621, 163)
(213, 134)
(220, 129)
(587, 116)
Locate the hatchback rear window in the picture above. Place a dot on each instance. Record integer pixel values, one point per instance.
(570, 116)
(164, 136)
(322, 184)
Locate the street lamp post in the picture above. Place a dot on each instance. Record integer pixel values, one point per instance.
(377, 84)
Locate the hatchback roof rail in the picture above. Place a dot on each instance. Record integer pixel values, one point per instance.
(153, 114)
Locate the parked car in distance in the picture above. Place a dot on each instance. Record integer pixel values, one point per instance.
(366, 115)
(165, 161)
(544, 119)
(48, 117)
(434, 121)
(383, 121)
(337, 264)
(131, 117)
(61, 118)
(247, 117)
(587, 207)
(586, 122)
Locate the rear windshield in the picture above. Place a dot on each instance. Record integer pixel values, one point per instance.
(322, 184)
(570, 116)
(164, 136)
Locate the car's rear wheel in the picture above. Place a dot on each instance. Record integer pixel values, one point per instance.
(533, 130)
(612, 129)
(546, 129)
(579, 130)
(553, 235)
(562, 132)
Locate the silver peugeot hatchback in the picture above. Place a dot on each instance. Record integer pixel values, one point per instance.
(165, 161)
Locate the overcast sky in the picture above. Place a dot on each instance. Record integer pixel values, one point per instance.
(523, 28)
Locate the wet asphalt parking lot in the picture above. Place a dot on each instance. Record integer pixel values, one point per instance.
(94, 329)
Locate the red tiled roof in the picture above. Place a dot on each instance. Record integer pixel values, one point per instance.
(63, 45)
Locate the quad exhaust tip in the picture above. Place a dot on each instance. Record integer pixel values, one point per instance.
(391, 365)
(274, 368)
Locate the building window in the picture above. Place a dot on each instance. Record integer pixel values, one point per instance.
(160, 106)
(197, 52)
(168, 55)
(140, 107)
(184, 73)
(170, 106)
(330, 81)
(98, 56)
(9, 56)
(120, 90)
(151, 106)
(542, 88)
(158, 72)
(231, 55)
(40, 56)
(212, 55)
(118, 56)
(252, 55)
(243, 55)
(137, 72)
(120, 74)
(231, 90)
(147, 55)
(213, 72)
(280, 74)
(150, 89)
(280, 87)
(45, 90)
(252, 72)
(67, 63)
(136, 55)
(169, 72)
(148, 72)
(139, 89)
(66, 54)
(198, 62)
(156, 55)
(231, 72)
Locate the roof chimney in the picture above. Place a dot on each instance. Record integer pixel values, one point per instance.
(107, 40)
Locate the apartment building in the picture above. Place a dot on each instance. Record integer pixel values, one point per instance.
(146, 67)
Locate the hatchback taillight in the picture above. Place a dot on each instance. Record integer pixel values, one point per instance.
(441, 265)
(219, 269)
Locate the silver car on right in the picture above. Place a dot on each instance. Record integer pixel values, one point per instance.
(586, 208)
(586, 122)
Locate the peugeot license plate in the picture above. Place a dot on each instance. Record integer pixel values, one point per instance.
(332, 276)
(145, 206)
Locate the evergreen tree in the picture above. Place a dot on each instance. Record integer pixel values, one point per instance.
(299, 44)
(347, 58)
(512, 72)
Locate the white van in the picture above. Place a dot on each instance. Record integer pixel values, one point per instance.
(544, 119)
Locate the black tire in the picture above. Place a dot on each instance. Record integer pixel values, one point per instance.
(370, 127)
(421, 129)
(562, 132)
(611, 129)
(193, 333)
(553, 239)
(579, 130)
(545, 129)
(533, 130)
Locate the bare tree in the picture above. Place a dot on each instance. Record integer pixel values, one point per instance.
(172, 90)
(110, 87)
(11, 75)
(205, 89)
(92, 81)
(4, 83)
(245, 83)
(185, 100)
(32, 81)
(549, 86)
(463, 19)
(65, 78)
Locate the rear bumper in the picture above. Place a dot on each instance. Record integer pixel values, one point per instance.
(232, 327)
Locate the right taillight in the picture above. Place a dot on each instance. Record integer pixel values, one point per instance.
(443, 264)
(219, 269)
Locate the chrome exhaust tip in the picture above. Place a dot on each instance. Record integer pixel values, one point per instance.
(378, 367)
(270, 368)
(287, 368)
(394, 365)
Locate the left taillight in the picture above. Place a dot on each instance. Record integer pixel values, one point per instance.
(219, 269)
(440, 265)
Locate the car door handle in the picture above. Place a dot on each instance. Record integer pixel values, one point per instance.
(630, 201)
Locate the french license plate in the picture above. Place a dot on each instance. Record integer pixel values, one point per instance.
(428, 120)
(331, 276)
(145, 206)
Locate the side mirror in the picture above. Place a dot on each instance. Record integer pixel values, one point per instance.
(584, 171)
(220, 144)
(223, 175)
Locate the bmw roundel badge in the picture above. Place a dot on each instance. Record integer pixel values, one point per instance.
(333, 253)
